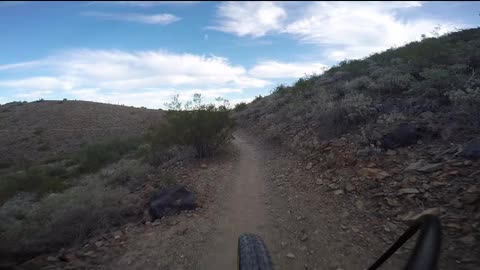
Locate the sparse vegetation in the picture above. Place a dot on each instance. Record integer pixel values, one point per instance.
(205, 127)
(432, 74)
(240, 106)
(95, 156)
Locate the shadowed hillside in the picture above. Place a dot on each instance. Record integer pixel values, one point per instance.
(32, 132)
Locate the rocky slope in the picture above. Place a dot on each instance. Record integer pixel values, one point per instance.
(395, 133)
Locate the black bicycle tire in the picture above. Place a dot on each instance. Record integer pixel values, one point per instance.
(253, 253)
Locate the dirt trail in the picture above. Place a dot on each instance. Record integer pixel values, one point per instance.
(258, 189)
(244, 210)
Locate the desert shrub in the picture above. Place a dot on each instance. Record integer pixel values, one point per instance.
(63, 218)
(240, 106)
(280, 89)
(392, 83)
(360, 84)
(128, 173)
(206, 128)
(40, 180)
(351, 67)
(468, 101)
(257, 99)
(95, 156)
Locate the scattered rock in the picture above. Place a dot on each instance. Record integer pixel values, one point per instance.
(414, 166)
(304, 237)
(410, 216)
(391, 152)
(332, 186)
(392, 202)
(89, 254)
(429, 168)
(421, 166)
(365, 152)
(339, 192)
(359, 204)
(391, 226)
(52, 259)
(203, 166)
(349, 187)
(283, 244)
(309, 166)
(290, 255)
(319, 181)
(408, 191)
(170, 201)
(99, 244)
(468, 240)
(373, 173)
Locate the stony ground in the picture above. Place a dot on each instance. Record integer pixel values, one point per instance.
(257, 189)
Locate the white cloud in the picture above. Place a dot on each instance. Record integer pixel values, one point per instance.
(162, 19)
(275, 69)
(341, 29)
(18, 65)
(33, 95)
(133, 78)
(249, 18)
(37, 83)
(356, 29)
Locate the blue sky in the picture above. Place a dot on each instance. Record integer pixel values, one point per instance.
(142, 53)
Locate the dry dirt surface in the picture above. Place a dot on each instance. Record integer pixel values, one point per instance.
(258, 189)
(39, 130)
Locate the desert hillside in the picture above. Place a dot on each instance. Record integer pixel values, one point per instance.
(40, 130)
(396, 134)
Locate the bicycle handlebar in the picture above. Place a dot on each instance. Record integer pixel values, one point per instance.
(427, 249)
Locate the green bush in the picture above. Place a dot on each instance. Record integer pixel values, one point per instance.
(95, 156)
(204, 127)
(240, 107)
(40, 180)
(60, 219)
(468, 101)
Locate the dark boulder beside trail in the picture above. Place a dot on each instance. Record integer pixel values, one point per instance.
(170, 201)
(403, 135)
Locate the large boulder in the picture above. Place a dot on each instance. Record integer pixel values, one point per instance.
(171, 200)
(403, 135)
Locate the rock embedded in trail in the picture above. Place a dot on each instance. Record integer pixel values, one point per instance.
(422, 166)
(373, 173)
(428, 168)
(171, 200)
(408, 191)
